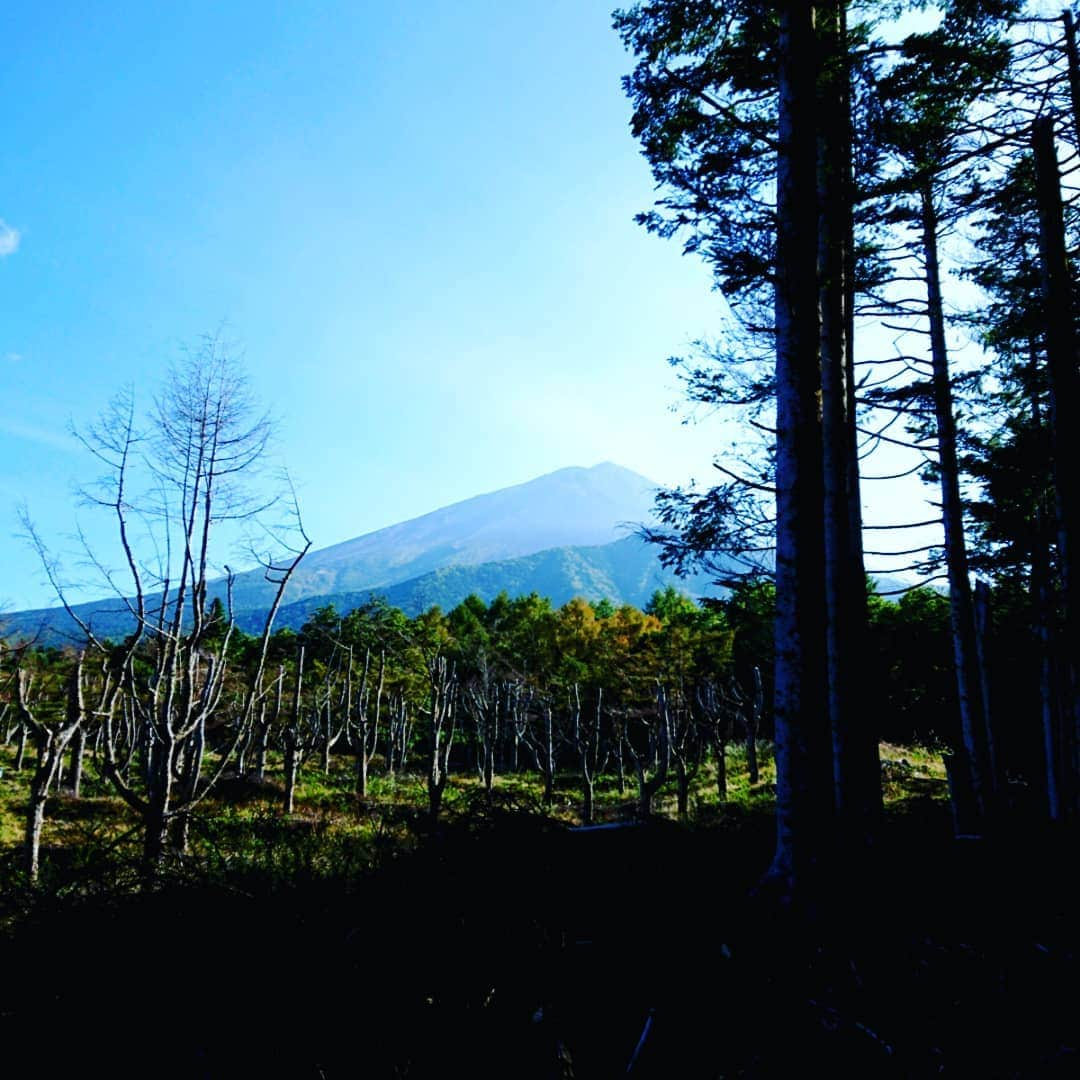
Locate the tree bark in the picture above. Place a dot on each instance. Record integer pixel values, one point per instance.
(292, 738)
(682, 789)
(1061, 354)
(1042, 591)
(856, 768)
(20, 754)
(803, 742)
(78, 751)
(1072, 56)
(52, 741)
(972, 753)
(753, 726)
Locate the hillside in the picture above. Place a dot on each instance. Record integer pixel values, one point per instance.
(563, 534)
(571, 507)
(624, 572)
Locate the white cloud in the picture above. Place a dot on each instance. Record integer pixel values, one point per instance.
(9, 239)
(58, 440)
(13, 357)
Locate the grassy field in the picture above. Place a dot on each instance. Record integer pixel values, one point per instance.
(92, 843)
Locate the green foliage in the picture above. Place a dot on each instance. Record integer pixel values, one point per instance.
(668, 604)
(603, 609)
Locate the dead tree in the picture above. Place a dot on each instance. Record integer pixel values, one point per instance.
(534, 722)
(484, 700)
(685, 732)
(331, 708)
(715, 714)
(20, 753)
(298, 738)
(652, 754)
(582, 733)
(753, 717)
(267, 722)
(441, 717)
(365, 724)
(399, 732)
(52, 728)
(201, 438)
(78, 755)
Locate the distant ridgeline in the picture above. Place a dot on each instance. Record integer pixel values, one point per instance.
(624, 572)
(569, 533)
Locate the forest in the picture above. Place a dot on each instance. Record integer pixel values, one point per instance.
(804, 822)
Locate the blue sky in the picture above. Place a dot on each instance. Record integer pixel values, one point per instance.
(416, 220)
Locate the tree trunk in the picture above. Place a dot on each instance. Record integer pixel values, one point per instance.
(242, 753)
(362, 770)
(972, 752)
(78, 751)
(35, 825)
(983, 624)
(155, 841)
(20, 754)
(682, 789)
(157, 817)
(436, 786)
(721, 767)
(757, 706)
(648, 786)
(369, 739)
(262, 746)
(489, 771)
(51, 749)
(328, 726)
(443, 684)
(856, 769)
(620, 760)
(292, 769)
(1040, 583)
(292, 738)
(1061, 357)
(1072, 55)
(803, 742)
(549, 757)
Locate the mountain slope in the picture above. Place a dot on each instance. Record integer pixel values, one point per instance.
(571, 507)
(624, 572)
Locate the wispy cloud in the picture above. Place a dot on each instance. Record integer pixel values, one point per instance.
(42, 436)
(13, 357)
(9, 239)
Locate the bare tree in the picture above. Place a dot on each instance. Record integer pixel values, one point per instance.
(582, 734)
(652, 758)
(266, 722)
(52, 728)
(399, 732)
(535, 726)
(485, 699)
(441, 716)
(299, 736)
(364, 721)
(202, 444)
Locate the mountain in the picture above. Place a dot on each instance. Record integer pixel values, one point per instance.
(569, 533)
(626, 571)
(573, 507)
(564, 533)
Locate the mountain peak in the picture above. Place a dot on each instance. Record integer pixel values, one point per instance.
(602, 473)
(571, 507)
